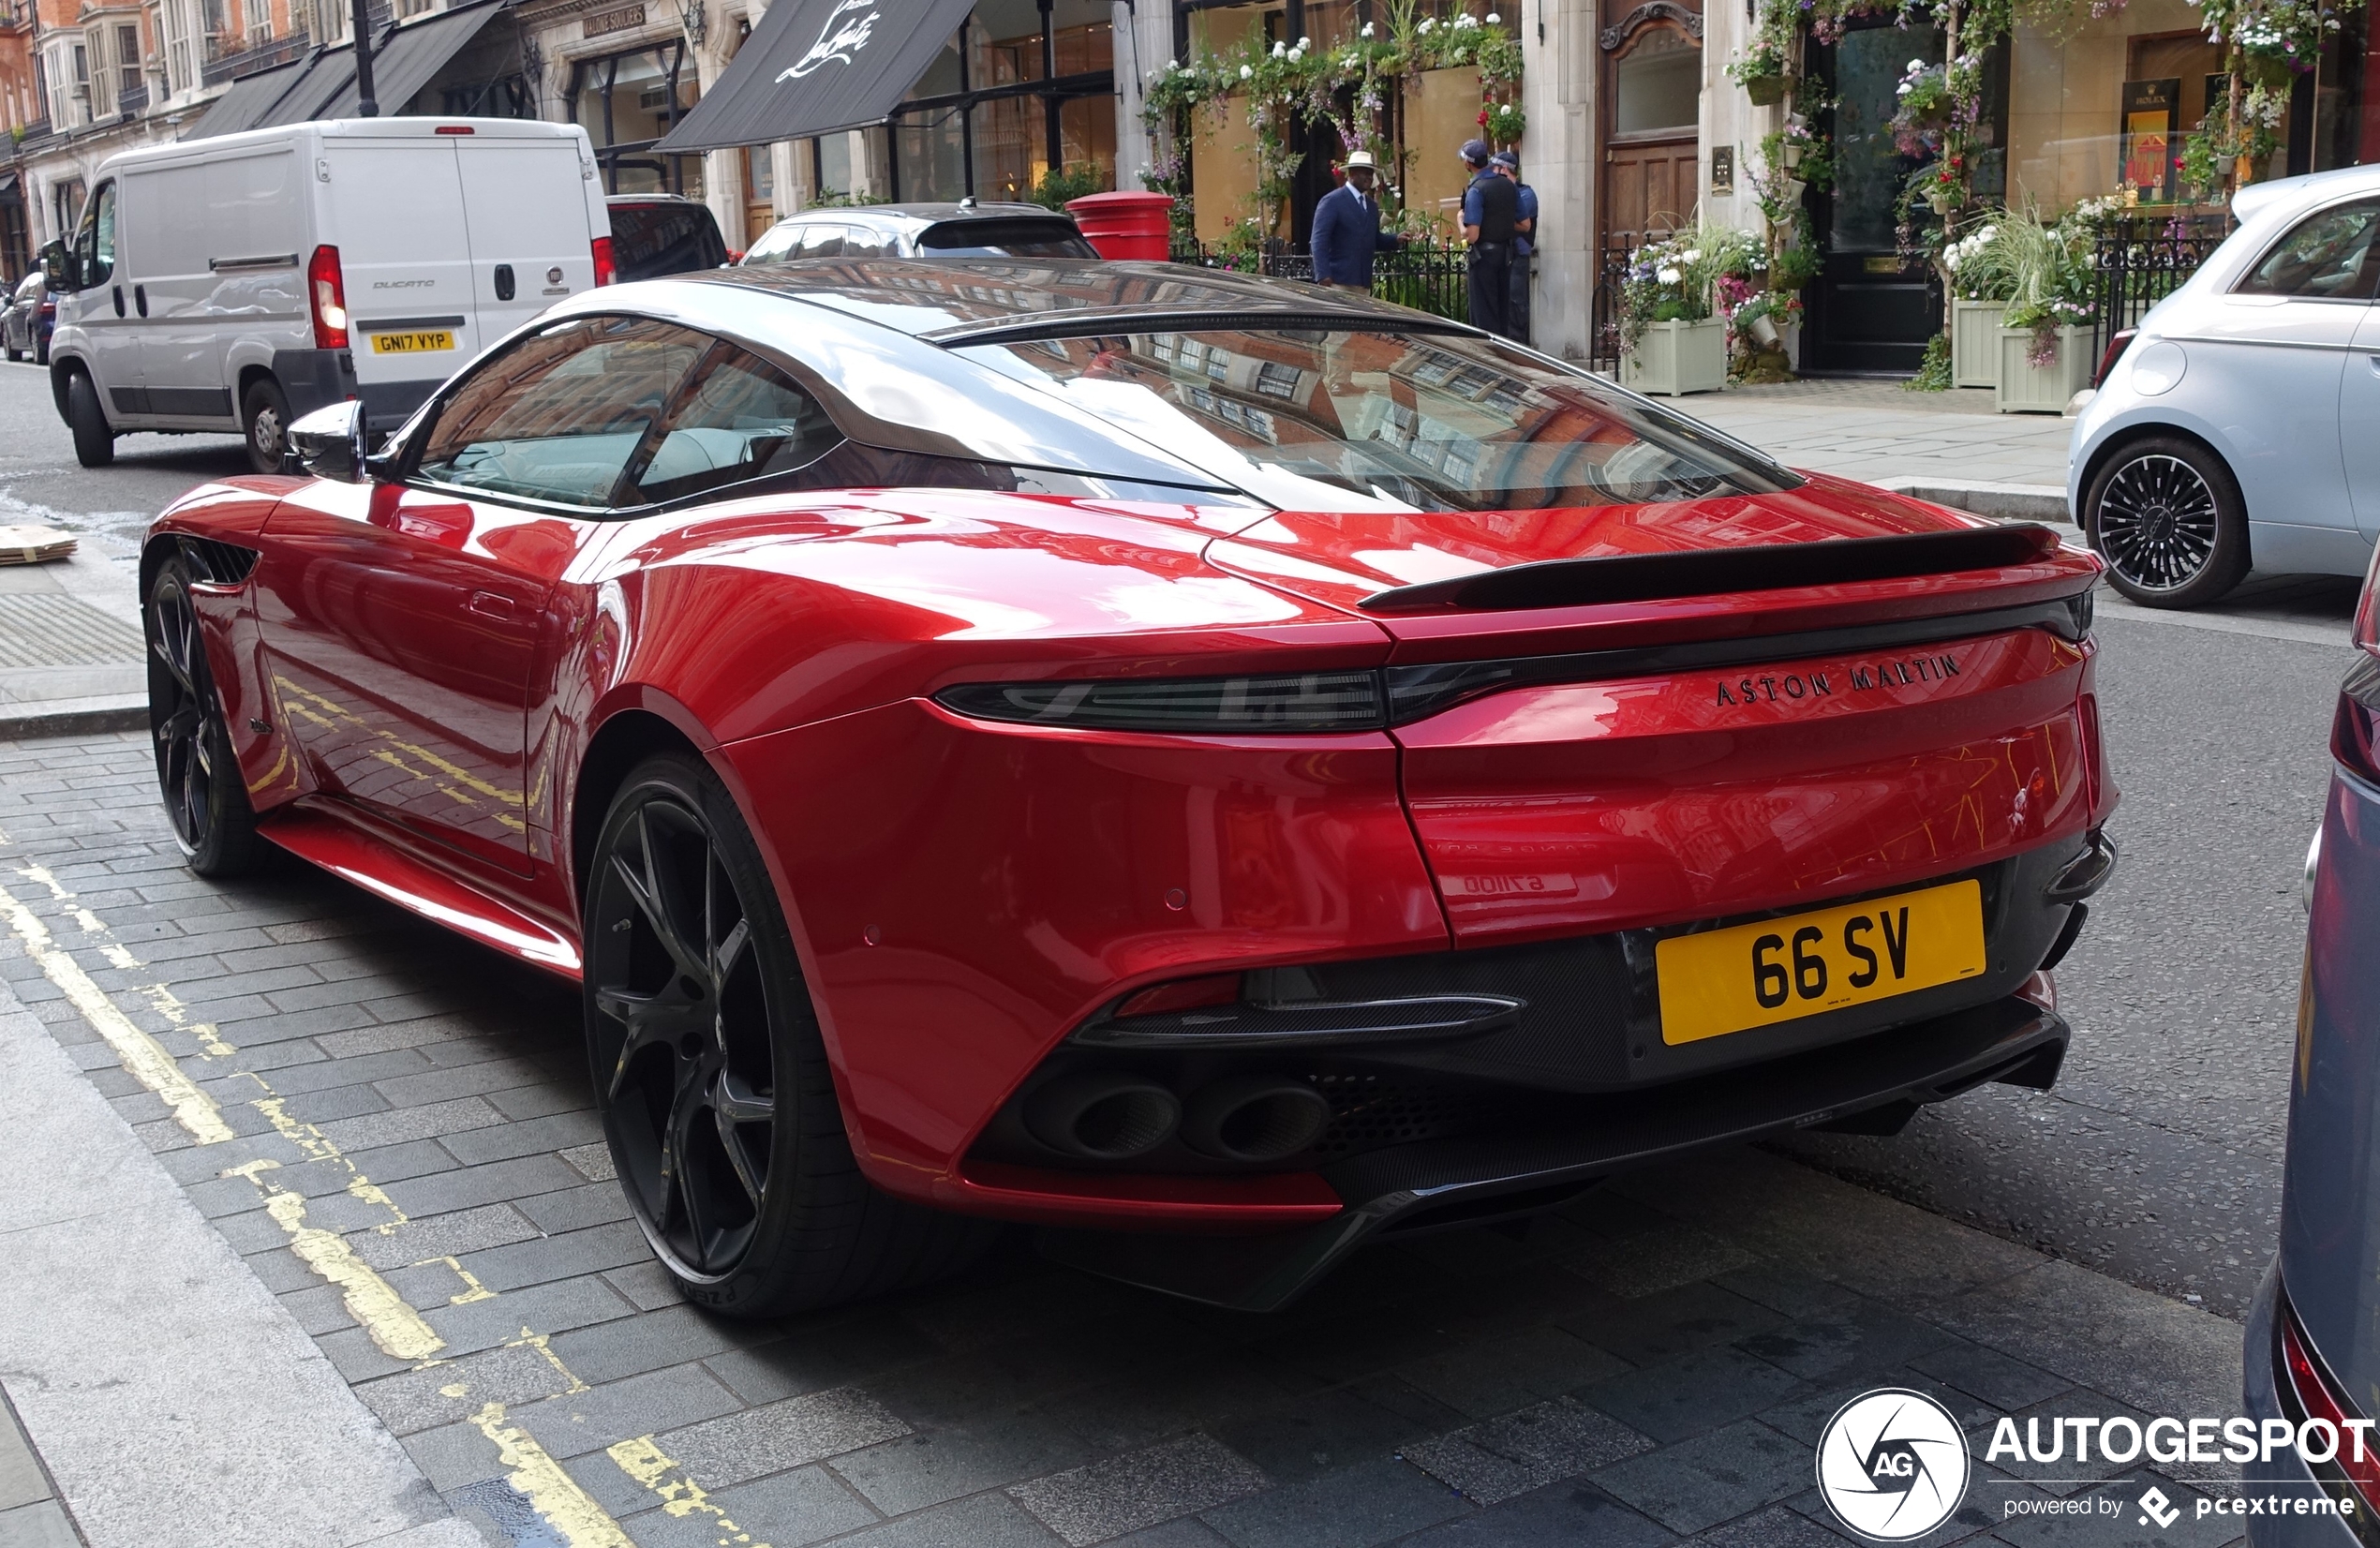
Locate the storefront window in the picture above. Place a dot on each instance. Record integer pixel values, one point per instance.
(1032, 89)
(627, 101)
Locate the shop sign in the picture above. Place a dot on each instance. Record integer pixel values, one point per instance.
(623, 19)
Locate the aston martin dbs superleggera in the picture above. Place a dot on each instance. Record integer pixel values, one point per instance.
(1219, 770)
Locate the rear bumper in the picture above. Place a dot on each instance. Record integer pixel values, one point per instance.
(1874, 1083)
(2287, 1476)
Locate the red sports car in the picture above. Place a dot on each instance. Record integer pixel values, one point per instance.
(1220, 770)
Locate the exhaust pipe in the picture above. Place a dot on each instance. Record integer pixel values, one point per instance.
(1254, 1117)
(1105, 1116)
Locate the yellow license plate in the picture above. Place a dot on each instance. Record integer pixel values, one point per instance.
(1755, 975)
(413, 344)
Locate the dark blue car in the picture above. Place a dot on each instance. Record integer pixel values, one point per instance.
(2313, 1336)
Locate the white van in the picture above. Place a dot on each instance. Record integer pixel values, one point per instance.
(238, 282)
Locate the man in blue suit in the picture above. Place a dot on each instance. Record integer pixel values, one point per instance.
(1347, 229)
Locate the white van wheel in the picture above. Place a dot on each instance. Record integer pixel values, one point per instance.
(94, 442)
(264, 415)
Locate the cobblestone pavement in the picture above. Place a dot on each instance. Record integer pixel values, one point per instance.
(393, 1127)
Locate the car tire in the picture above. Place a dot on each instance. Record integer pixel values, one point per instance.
(264, 420)
(710, 1074)
(94, 442)
(205, 797)
(2166, 515)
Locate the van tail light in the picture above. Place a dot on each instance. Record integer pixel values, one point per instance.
(326, 298)
(605, 272)
(2320, 1398)
(2115, 348)
(2366, 634)
(2355, 728)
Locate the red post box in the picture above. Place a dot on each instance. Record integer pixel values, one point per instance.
(1126, 225)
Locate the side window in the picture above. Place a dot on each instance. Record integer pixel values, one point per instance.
(775, 245)
(821, 242)
(2330, 255)
(741, 419)
(557, 416)
(95, 245)
(859, 242)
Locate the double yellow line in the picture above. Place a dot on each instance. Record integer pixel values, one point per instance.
(392, 1323)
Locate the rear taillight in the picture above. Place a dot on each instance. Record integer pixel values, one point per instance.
(2094, 754)
(1218, 989)
(326, 298)
(2355, 727)
(2366, 635)
(605, 272)
(2115, 348)
(1290, 702)
(2359, 1457)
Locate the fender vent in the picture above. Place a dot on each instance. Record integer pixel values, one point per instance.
(1754, 567)
(218, 562)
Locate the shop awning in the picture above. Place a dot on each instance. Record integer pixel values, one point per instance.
(7, 183)
(405, 61)
(812, 66)
(248, 100)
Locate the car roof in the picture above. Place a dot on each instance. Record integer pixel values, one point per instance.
(943, 299)
(910, 217)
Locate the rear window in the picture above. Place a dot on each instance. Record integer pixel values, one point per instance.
(1431, 421)
(1021, 238)
(653, 240)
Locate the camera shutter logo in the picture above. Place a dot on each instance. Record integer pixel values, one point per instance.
(1892, 1464)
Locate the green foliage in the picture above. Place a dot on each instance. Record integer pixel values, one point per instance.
(1933, 376)
(831, 198)
(1061, 184)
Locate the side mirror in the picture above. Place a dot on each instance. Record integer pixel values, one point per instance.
(329, 443)
(53, 266)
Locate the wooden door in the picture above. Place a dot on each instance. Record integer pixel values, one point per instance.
(1652, 150)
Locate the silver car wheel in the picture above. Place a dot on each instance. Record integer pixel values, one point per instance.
(2157, 523)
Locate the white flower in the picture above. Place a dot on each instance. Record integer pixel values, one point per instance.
(1427, 23)
(1670, 277)
(1305, 42)
(1691, 255)
(1245, 71)
(1916, 65)
(1493, 19)
(1174, 64)
(1367, 29)
(1280, 50)
(1902, 89)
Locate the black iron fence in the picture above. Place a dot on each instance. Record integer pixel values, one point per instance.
(2141, 261)
(1603, 338)
(1425, 276)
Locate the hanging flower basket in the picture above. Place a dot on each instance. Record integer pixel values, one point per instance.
(1766, 91)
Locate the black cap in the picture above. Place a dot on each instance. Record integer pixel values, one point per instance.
(1475, 152)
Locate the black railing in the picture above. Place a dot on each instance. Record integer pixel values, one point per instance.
(1603, 338)
(278, 50)
(132, 101)
(1427, 277)
(2142, 259)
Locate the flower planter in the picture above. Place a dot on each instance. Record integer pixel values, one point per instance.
(2024, 388)
(1974, 342)
(1677, 358)
(1766, 91)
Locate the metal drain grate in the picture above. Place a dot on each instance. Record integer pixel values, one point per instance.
(44, 629)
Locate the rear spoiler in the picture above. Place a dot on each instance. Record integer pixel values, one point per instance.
(1757, 567)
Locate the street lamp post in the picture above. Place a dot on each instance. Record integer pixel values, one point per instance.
(366, 105)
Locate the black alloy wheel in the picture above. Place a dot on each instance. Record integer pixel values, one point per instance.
(197, 775)
(690, 1100)
(710, 1074)
(2168, 517)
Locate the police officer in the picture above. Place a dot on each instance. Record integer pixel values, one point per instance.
(1523, 241)
(1491, 221)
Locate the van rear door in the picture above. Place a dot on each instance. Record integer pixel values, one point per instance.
(394, 209)
(527, 203)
